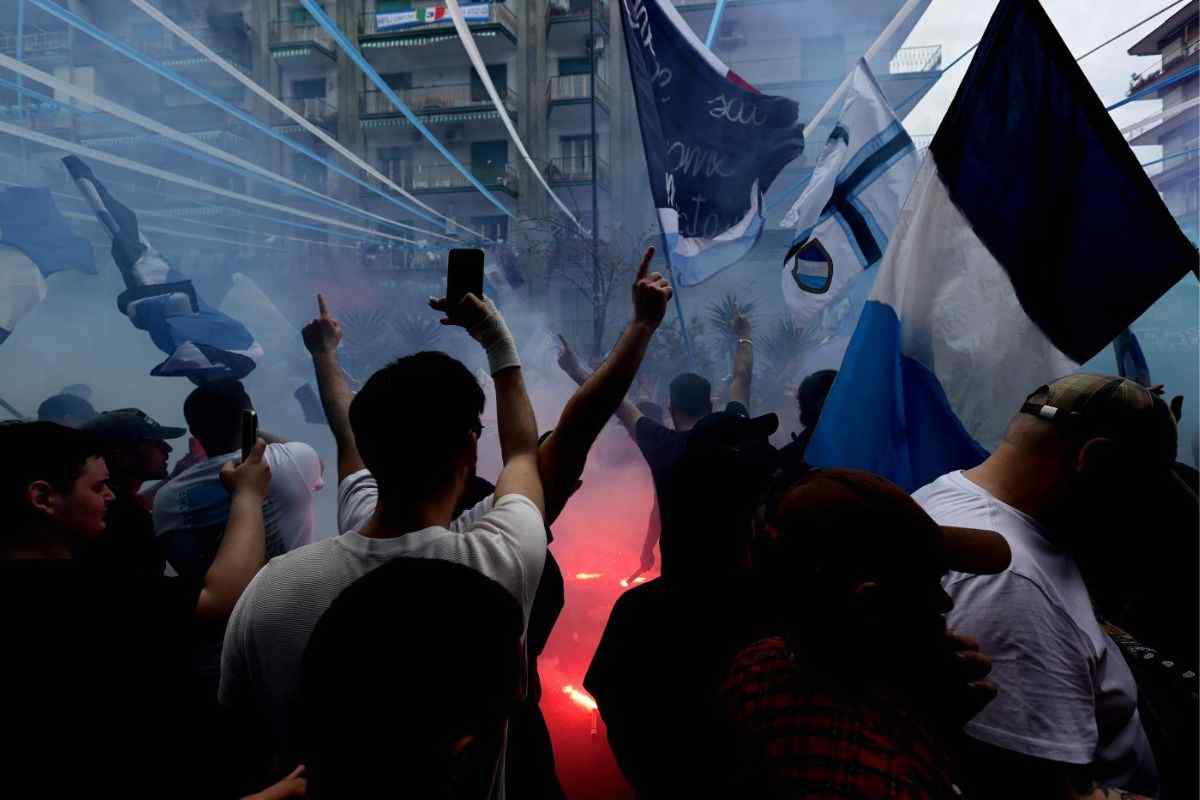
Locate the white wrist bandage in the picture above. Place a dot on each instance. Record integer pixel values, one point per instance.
(493, 333)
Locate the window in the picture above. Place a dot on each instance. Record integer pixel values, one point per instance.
(310, 88)
(489, 160)
(574, 66)
(499, 75)
(491, 227)
(576, 155)
(398, 80)
(396, 163)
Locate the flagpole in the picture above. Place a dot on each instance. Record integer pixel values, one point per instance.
(880, 41)
(687, 339)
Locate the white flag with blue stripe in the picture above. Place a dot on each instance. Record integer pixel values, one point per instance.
(848, 209)
(1031, 239)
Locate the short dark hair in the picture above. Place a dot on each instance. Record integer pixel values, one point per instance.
(452, 670)
(411, 420)
(691, 394)
(59, 407)
(214, 411)
(811, 394)
(39, 451)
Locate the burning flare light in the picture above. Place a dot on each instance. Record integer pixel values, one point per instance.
(579, 697)
(587, 576)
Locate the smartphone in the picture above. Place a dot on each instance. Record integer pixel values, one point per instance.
(464, 273)
(249, 432)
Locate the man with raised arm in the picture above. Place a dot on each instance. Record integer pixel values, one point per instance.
(416, 425)
(662, 447)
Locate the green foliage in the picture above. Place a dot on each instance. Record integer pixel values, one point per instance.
(721, 314)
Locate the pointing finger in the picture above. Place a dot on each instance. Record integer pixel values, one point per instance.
(644, 267)
(322, 307)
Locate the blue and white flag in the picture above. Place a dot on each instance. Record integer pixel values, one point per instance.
(35, 241)
(1031, 238)
(1131, 361)
(848, 209)
(713, 143)
(201, 343)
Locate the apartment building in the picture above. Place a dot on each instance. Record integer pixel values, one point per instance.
(1177, 128)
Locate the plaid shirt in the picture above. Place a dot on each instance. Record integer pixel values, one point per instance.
(800, 738)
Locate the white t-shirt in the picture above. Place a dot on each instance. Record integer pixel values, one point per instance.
(196, 500)
(503, 539)
(1066, 693)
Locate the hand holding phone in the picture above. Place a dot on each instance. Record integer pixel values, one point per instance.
(464, 274)
(249, 432)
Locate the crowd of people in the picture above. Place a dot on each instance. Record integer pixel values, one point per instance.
(815, 633)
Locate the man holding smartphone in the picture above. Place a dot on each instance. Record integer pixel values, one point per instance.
(191, 509)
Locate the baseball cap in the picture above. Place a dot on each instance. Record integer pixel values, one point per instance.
(130, 425)
(1116, 408)
(842, 518)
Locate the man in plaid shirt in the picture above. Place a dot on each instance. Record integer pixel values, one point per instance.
(854, 565)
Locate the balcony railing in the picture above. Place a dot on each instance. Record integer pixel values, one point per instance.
(1169, 66)
(173, 51)
(916, 59)
(438, 177)
(313, 109)
(433, 15)
(566, 88)
(428, 99)
(576, 169)
(34, 44)
(291, 32)
(575, 9)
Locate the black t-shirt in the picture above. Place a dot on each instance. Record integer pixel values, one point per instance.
(663, 655)
(98, 701)
(662, 447)
(128, 542)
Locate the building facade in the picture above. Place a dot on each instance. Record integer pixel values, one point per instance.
(582, 132)
(1176, 42)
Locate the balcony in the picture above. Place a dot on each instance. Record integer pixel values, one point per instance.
(232, 45)
(35, 45)
(572, 169)
(441, 178)
(302, 44)
(1186, 57)
(387, 28)
(575, 89)
(314, 109)
(916, 59)
(576, 11)
(426, 100)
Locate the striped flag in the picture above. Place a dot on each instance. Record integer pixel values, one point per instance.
(1031, 238)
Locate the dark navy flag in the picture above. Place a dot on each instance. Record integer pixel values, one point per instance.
(713, 143)
(201, 343)
(1031, 239)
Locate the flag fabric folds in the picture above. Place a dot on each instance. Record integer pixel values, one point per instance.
(22, 287)
(713, 143)
(30, 222)
(1008, 268)
(847, 211)
(200, 342)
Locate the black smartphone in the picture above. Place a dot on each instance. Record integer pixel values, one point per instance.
(464, 273)
(249, 432)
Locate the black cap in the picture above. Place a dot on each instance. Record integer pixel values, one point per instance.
(130, 425)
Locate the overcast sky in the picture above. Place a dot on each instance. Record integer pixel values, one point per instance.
(1083, 24)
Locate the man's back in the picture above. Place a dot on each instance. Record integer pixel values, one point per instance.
(1066, 693)
(190, 510)
(271, 625)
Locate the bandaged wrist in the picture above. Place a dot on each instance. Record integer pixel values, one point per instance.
(493, 333)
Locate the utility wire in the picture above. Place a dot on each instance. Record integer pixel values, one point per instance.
(1131, 27)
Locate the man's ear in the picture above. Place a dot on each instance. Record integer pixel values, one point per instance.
(1097, 456)
(42, 497)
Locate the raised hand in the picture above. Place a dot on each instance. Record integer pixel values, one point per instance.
(651, 293)
(741, 325)
(468, 313)
(569, 362)
(251, 475)
(323, 334)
